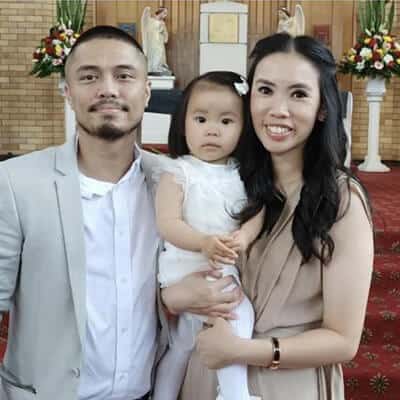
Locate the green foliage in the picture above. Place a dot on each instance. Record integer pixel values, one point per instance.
(72, 13)
(374, 16)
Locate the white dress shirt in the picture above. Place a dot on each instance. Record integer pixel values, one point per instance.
(121, 331)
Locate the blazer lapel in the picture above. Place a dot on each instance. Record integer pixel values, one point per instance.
(71, 215)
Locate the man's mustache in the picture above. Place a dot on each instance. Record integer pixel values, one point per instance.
(96, 106)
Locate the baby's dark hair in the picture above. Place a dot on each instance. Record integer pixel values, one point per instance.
(177, 145)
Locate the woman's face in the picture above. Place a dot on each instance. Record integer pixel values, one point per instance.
(285, 102)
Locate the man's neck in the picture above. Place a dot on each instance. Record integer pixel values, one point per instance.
(103, 160)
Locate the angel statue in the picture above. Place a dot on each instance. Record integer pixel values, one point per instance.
(154, 38)
(295, 25)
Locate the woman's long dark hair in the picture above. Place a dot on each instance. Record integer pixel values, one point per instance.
(324, 155)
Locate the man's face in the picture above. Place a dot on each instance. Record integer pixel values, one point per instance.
(107, 87)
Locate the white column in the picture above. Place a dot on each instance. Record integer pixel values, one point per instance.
(375, 90)
(69, 115)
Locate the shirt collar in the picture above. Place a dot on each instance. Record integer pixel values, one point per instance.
(91, 187)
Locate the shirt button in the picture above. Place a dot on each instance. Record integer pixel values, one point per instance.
(122, 377)
(77, 372)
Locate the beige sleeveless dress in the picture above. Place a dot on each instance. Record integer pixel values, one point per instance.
(287, 299)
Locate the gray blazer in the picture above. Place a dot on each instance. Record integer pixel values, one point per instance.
(42, 276)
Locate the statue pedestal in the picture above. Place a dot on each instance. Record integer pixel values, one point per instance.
(162, 82)
(375, 90)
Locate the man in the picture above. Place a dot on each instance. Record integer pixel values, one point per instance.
(78, 242)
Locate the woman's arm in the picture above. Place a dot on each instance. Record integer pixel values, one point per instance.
(172, 227)
(346, 282)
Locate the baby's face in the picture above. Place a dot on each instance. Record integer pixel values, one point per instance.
(213, 123)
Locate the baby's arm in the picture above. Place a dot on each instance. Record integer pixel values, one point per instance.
(172, 227)
(248, 232)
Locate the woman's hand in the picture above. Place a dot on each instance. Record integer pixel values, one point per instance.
(217, 345)
(198, 295)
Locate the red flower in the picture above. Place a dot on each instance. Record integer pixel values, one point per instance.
(376, 56)
(48, 40)
(357, 46)
(391, 64)
(50, 50)
(37, 56)
(357, 58)
(372, 43)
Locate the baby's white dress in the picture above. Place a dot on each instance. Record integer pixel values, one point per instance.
(213, 193)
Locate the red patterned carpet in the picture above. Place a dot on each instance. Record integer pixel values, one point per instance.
(375, 372)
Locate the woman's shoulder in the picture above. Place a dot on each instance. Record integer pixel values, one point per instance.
(352, 194)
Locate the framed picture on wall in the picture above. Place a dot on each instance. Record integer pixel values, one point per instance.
(322, 33)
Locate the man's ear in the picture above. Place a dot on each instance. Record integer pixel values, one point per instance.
(67, 93)
(147, 92)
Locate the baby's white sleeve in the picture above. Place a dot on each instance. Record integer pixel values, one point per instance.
(155, 165)
(169, 166)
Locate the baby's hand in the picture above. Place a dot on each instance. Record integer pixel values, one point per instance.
(239, 241)
(217, 251)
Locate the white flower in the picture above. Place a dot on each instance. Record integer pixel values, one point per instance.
(360, 65)
(388, 59)
(69, 32)
(72, 40)
(57, 61)
(241, 87)
(56, 42)
(368, 32)
(67, 50)
(366, 53)
(386, 45)
(378, 65)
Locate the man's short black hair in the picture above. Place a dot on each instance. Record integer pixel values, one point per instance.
(105, 32)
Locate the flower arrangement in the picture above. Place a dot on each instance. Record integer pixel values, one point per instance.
(376, 52)
(49, 57)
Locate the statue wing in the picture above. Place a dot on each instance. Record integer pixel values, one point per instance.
(300, 20)
(145, 22)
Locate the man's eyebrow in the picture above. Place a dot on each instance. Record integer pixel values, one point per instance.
(89, 67)
(83, 68)
(125, 66)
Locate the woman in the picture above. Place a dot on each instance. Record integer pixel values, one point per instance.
(309, 272)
